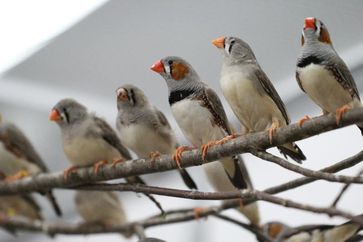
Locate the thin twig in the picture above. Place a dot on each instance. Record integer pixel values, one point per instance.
(250, 227)
(343, 190)
(243, 144)
(306, 172)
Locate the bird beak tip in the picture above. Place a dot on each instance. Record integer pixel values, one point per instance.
(157, 67)
(219, 42)
(54, 115)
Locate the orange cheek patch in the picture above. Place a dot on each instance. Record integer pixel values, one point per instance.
(179, 71)
(275, 230)
(324, 36)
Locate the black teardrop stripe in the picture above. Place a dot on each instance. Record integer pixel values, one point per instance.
(177, 96)
(308, 60)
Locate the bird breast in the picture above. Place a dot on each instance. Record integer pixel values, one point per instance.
(142, 140)
(87, 151)
(11, 164)
(196, 122)
(323, 88)
(253, 107)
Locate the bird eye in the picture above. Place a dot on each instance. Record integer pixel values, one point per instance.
(232, 42)
(170, 62)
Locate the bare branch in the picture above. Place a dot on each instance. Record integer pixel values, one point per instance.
(304, 171)
(343, 190)
(256, 141)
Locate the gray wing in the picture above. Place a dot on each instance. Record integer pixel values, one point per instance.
(215, 106)
(109, 135)
(17, 143)
(162, 119)
(271, 91)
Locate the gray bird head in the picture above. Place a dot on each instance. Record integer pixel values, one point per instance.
(68, 112)
(315, 31)
(130, 96)
(234, 49)
(178, 74)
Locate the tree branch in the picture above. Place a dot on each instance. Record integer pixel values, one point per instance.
(256, 141)
(304, 171)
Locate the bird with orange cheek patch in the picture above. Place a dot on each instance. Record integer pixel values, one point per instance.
(348, 231)
(202, 119)
(323, 75)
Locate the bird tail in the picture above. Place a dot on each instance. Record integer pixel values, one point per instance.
(188, 180)
(293, 151)
(54, 203)
(137, 179)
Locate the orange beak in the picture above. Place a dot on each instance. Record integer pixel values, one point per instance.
(122, 94)
(158, 67)
(54, 115)
(219, 42)
(309, 23)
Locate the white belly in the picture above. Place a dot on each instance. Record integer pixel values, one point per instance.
(11, 164)
(324, 89)
(253, 110)
(196, 122)
(142, 140)
(84, 152)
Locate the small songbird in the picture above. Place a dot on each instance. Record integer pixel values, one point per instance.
(88, 204)
(323, 75)
(89, 140)
(202, 119)
(277, 231)
(251, 94)
(145, 129)
(18, 159)
(20, 205)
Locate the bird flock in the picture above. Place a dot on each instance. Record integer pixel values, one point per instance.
(89, 140)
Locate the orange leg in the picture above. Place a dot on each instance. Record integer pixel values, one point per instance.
(340, 113)
(178, 152)
(19, 175)
(115, 162)
(206, 147)
(272, 130)
(97, 166)
(197, 212)
(227, 138)
(302, 121)
(67, 171)
(154, 154)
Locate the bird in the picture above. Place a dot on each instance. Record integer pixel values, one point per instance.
(88, 204)
(250, 93)
(18, 159)
(323, 75)
(281, 232)
(200, 115)
(89, 140)
(144, 129)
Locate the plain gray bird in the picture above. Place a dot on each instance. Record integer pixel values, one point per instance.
(202, 119)
(143, 128)
(89, 140)
(89, 204)
(18, 159)
(323, 75)
(251, 94)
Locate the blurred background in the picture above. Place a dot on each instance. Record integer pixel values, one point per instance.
(86, 49)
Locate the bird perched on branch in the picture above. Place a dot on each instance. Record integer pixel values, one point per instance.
(323, 75)
(18, 159)
(251, 94)
(277, 231)
(201, 117)
(89, 140)
(88, 204)
(145, 129)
